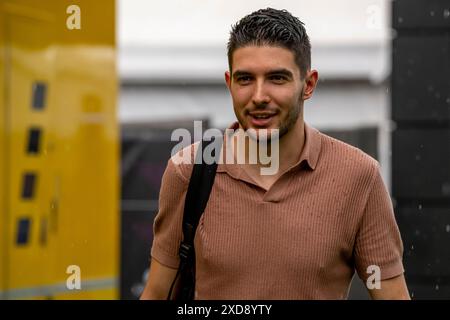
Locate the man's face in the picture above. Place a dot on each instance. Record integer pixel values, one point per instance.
(266, 88)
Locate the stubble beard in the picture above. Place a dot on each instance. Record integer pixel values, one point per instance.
(284, 128)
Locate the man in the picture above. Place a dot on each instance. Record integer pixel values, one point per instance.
(297, 234)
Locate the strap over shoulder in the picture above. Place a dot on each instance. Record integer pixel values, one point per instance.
(197, 196)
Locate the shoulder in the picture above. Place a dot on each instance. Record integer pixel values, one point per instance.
(182, 161)
(342, 157)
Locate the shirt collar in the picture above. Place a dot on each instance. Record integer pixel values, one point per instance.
(311, 147)
(309, 154)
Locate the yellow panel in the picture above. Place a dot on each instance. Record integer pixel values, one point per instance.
(106, 294)
(97, 19)
(28, 63)
(77, 190)
(3, 234)
(87, 161)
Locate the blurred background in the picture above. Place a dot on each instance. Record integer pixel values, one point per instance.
(90, 92)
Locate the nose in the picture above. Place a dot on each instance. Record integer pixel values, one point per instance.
(260, 94)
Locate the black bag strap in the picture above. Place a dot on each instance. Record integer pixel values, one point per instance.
(197, 196)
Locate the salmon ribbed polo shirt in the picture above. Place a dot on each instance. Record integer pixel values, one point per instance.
(326, 217)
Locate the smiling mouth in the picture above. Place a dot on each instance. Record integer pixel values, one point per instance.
(262, 116)
(261, 119)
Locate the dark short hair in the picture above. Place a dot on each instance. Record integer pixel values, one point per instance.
(272, 27)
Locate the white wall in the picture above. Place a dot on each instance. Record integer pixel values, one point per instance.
(208, 22)
(175, 39)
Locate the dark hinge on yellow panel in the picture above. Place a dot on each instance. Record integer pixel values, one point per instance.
(28, 185)
(39, 95)
(23, 231)
(34, 137)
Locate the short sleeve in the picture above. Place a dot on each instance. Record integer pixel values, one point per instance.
(378, 240)
(167, 226)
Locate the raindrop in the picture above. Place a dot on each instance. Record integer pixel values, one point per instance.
(421, 146)
(447, 228)
(437, 287)
(417, 157)
(412, 247)
(432, 13)
(400, 19)
(437, 95)
(417, 232)
(446, 13)
(420, 207)
(448, 100)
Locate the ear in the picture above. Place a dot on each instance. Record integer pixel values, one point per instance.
(311, 79)
(228, 79)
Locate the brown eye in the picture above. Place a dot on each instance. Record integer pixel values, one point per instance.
(278, 79)
(244, 79)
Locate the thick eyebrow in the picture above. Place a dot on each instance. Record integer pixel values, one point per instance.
(239, 73)
(282, 71)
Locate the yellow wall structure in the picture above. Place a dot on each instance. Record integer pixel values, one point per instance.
(60, 84)
(2, 157)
